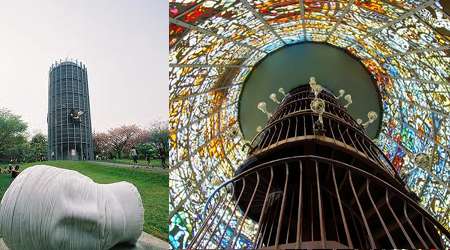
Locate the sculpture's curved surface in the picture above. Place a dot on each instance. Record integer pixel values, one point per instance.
(51, 208)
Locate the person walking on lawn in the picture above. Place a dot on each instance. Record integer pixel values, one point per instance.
(134, 155)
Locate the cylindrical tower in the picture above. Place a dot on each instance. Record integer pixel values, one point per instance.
(313, 179)
(69, 115)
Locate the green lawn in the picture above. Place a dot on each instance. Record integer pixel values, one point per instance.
(154, 162)
(153, 187)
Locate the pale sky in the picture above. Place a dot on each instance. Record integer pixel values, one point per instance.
(124, 44)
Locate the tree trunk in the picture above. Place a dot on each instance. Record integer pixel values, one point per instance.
(163, 162)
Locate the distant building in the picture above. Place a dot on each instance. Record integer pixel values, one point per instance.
(69, 115)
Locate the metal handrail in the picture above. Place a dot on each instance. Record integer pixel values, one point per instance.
(334, 163)
(285, 105)
(332, 116)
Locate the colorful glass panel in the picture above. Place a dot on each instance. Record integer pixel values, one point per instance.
(406, 50)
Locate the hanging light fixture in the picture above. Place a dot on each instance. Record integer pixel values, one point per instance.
(341, 94)
(281, 90)
(273, 97)
(372, 115)
(348, 98)
(316, 88)
(318, 106)
(312, 81)
(258, 129)
(263, 107)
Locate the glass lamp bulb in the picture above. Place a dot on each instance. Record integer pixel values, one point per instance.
(318, 106)
(273, 97)
(312, 81)
(262, 106)
(316, 88)
(341, 94)
(372, 115)
(348, 98)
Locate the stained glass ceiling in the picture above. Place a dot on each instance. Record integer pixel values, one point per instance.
(215, 44)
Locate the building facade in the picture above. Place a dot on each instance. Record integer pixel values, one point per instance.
(69, 115)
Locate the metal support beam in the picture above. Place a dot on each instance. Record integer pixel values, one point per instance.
(213, 112)
(204, 92)
(430, 138)
(345, 12)
(447, 16)
(447, 187)
(438, 112)
(420, 80)
(444, 36)
(302, 16)
(430, 49)
(196, 150)
(190, 9)
(431, 160)
(203, 179)
(427, 136)
(402, 17)
(206, 65)
(210, 33)
(261, 19)
(177, 84)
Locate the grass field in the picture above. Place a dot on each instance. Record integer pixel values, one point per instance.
(140, 162)
(153, 187)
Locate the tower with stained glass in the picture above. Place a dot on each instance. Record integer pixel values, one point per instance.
(227, 56)
(314, 179)
(69, 116)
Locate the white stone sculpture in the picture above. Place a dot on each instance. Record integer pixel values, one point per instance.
(51, 208)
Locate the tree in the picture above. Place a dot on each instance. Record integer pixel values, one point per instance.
(150, 143)
(102, 145)
(13, 137)
(159, 140)
(147, 151)
(125, 137)
(38, 147)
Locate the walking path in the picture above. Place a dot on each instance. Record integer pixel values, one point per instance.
(146, 241)
(123, 165)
